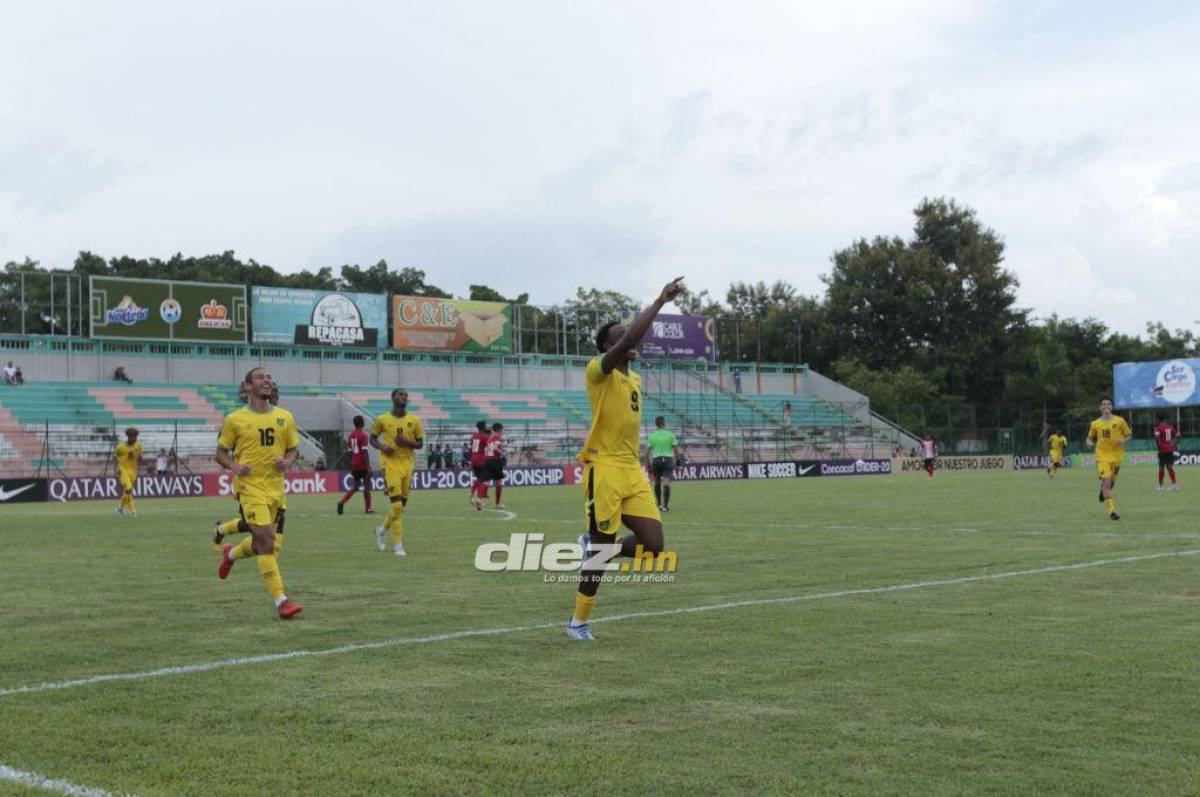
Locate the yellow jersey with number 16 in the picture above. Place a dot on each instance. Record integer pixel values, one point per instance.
(258, 439)
(616, 401)
(128, 457)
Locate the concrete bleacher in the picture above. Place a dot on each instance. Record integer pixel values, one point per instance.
(83, 420)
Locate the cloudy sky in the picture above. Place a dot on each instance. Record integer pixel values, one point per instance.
(538, 146)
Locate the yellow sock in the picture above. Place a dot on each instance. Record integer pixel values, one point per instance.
(132, 505)
(243, 550)
(583, 607)
(230, 526)
(268, 569)
(396, 518)
(1110, 505)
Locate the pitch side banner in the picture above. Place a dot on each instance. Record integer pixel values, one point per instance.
(1160, 383)
(1038, 462)
(681, 337)
(1139, 458)
(318, 318)
(953, 463)
(421, 323)
(17, 491)
(109, 487)
(856, 467)
(167, 310)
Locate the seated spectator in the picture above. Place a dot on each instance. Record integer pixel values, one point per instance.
(320, 464)
(120, 376)
(11, 373)
(18, 377)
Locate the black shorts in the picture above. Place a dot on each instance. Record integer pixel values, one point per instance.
(361, 476)
(495, 469)
(663, 467)
(1166, 459)
(929, 463)
(481, 472)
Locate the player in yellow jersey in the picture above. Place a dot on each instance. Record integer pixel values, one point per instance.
(259, 443)
(1108, 435)
(237, 524)
(397, 434)
(616, 491)
(129, 456)
(1058, 444)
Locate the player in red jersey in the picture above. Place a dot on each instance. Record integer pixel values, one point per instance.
(359, 446)
(495, 460)
(479, 464)
(929, 453)
(1166, 435)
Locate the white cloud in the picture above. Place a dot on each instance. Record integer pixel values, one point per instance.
(538, 146)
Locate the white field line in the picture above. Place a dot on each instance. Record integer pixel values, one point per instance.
(54, 686)
(36, 781)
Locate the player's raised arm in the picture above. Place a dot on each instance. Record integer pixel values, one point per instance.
(634, 333)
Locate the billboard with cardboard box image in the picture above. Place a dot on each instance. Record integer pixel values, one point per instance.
(422, 323)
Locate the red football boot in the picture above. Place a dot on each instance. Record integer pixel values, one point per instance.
(288, 610)
(226, 563)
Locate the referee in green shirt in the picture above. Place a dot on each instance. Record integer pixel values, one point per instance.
(660, 456)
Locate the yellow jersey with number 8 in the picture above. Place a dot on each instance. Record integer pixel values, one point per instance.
(616, 401)
(385, 428)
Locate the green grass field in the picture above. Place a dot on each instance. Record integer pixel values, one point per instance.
(1064, 681)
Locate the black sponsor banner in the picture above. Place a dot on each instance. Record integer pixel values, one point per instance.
(17, 491)
(856, 467)
(807, 468)
(1038, 462)
(460, 478)
(710, 471)
(957, 462)
(110, 487)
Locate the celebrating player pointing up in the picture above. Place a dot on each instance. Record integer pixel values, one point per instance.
(616, 492)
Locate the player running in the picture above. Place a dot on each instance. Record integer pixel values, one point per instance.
(1108, 435)
(479, 474)
(397, 434)
(238, 525)
(128, 456)
(929, 453)
(359, 446)
(662, 449)
(1166, 435)
(494, 461)
(615, 487)
(1057, 444)
(259, 442)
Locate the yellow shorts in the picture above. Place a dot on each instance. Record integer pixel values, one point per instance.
(127, 481)
(260, 509)
(610, 491)
(1056, 458)
(1108, 468)
(397, 482)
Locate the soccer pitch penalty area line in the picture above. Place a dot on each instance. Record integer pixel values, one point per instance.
(35, 781)
(516, 629)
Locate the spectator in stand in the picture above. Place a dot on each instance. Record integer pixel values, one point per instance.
(433, 457)
(320, 464)
(464, 456)
(787, 413)
(120, 376)
(172, 461)
(737, 379)
(12, 375)
(161, 463)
